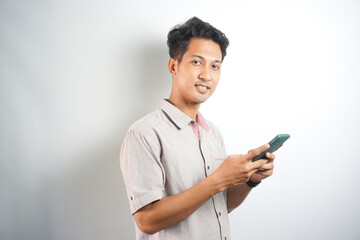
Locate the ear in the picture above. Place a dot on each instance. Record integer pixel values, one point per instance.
(172, 65)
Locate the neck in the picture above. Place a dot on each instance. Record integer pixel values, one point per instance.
(190, 109)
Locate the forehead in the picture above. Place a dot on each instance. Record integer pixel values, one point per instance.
(206, 48)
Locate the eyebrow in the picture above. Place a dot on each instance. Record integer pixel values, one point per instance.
(218, 61)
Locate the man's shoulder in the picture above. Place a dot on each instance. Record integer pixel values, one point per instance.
(148, 123)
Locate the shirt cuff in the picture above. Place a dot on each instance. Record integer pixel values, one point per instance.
(141, 201)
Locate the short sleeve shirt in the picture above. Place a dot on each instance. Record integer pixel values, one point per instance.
(161, 156)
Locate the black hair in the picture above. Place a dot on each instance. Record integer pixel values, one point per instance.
(180, 35)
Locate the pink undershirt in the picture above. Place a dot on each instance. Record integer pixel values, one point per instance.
(200, 120)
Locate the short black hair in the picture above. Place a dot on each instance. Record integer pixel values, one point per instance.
(180, 35)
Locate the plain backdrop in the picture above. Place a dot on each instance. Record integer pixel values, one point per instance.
(75, 74)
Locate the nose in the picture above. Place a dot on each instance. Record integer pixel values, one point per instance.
(205, 74)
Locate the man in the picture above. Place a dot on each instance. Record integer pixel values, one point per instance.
(179, 181)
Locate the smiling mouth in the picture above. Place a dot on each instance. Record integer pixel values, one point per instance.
(203, 87)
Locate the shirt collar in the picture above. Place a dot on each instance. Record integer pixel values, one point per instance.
(179, 118)
(202, 122)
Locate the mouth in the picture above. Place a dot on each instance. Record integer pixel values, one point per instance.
(202, 88)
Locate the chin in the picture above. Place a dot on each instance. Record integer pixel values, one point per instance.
(201, 99)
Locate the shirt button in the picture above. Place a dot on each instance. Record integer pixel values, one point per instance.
(225, 238)
(131, 198)
(219, 213)
(208, 167)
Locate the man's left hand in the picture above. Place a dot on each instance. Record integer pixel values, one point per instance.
(266, 170)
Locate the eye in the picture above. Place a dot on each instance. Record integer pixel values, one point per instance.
(196, 62)
(215, 66)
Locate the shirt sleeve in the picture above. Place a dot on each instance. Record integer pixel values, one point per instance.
(143, 173)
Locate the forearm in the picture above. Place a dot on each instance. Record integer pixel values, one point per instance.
(236, 195)
(234, 171)
(173, 209)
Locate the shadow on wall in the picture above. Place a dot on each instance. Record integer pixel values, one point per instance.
(154, 83)
(152, 79)
(93, 194)
(91, 202)
(155, 77)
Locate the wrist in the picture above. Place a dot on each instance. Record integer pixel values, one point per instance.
(252, 184)
(217, 185)
(255, 180)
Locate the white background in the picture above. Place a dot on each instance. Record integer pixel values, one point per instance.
(75, 74)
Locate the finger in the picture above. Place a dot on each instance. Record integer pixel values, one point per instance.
(254, 152)
(270, 156)
(265, 173)
(258, 164)
(254, 170)
(267, 166)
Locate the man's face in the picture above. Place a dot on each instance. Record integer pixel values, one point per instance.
(195, 78)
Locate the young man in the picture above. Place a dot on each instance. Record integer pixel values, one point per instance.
(179, 180)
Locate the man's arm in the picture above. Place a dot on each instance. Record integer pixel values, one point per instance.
(173, 209)
(235, 170)
(237, 194)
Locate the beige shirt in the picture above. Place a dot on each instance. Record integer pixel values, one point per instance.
(161, 156)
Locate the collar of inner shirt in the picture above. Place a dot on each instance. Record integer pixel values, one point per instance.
(180, 119)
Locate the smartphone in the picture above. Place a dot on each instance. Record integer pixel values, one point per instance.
(275, 143)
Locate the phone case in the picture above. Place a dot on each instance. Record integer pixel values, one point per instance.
(275, 143)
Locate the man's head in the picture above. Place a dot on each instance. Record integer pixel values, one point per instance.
(179, 37)
(196, 50)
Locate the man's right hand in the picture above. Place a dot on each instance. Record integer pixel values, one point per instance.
(237, 169)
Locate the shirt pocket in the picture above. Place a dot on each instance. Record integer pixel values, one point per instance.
(215, 157)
